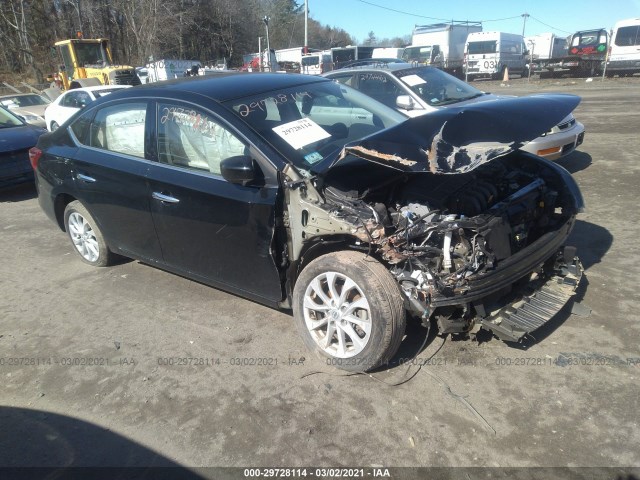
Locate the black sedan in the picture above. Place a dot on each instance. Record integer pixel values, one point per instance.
(298, 192)
(16, 138)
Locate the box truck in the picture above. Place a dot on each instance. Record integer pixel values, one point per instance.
(546, 52)
(440, 45)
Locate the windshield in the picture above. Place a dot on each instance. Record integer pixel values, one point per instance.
(417, 54)
(90, 54)
(8, 119)
(20, 101)
(310, 123)
(436, 87)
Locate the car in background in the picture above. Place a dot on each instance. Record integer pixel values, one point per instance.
(416, 91)
(29, 106)
(254, 183)
(72, 101)
(16, 138)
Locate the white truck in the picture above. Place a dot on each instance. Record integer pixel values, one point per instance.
(546, 52)
(440, 45)
(290, 59)
(387, 52)
(489, 54)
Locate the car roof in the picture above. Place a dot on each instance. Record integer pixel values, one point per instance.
(385, 67)
(96, 87)
(228, 85)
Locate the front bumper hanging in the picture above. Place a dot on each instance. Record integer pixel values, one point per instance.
(513, 322)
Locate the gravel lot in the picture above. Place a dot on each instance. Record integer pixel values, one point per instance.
(133, 366)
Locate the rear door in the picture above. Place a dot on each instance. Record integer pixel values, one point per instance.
(482, 56)
(109, 172)
(208, 228)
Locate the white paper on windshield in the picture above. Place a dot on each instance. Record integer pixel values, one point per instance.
(413, 80)
(301, 132)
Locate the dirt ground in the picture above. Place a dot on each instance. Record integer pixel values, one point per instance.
(133, 366)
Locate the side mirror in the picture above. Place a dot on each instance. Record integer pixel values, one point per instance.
(405, 102)
(240, 170)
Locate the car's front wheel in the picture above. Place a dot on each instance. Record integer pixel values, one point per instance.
(349, 310)
(86, 236)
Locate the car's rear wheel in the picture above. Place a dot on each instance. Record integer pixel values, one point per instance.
(86, 236)
(349, 311)
(54, 126)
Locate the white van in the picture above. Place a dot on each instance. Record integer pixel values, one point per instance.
(624, 50)
(316, 63)
(488, 54)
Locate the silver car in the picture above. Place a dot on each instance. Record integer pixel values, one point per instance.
(29, 106)
(416, 91)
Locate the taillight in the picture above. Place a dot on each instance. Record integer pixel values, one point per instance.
(34, 156)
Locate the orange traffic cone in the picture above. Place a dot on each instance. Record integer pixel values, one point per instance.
(506, 74)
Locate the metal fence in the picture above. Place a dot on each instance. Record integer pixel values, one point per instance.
(9, 89)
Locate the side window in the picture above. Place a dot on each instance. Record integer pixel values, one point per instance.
(628, 36)
(194, 139)
(70, 100)
(80, 127)
(120, 128)
(380, 87)
(344, 79)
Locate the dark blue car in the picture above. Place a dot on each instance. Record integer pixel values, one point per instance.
(16, 138)
(304, 194)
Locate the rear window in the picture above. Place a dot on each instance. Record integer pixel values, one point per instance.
(308, 61)
(628, 36)
(477, 48)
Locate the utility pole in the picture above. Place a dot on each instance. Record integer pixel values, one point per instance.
(306, 26)
(266, 23)
(524, 24)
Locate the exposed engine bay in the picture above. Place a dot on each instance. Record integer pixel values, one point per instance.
(442, 236)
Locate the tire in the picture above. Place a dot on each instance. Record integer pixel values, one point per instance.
(54, 126)
(86, 237)
(364, 290)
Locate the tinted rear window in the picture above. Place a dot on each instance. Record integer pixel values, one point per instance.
(628, 36)
(488, 46)
(308, 61)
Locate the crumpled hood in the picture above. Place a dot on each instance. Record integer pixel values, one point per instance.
(458, 140)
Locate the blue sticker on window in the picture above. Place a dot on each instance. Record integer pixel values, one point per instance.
(313, 157)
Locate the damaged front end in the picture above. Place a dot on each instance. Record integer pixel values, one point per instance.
(472, 228)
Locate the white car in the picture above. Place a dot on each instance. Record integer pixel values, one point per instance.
(416, 91)
(71, 101)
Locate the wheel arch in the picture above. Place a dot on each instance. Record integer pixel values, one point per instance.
(60, 203)
(317, 247)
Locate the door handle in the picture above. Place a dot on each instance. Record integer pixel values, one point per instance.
(85, 178)
(164, 198)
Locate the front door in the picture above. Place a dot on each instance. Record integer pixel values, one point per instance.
(209, 228)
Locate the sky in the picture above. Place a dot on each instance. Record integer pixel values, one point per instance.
(396, 18)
